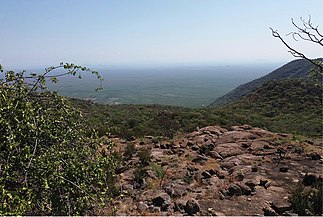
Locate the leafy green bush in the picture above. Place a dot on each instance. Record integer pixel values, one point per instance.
(159, 171)
(49, 165)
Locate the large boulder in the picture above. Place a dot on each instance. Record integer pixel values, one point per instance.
(234, 189)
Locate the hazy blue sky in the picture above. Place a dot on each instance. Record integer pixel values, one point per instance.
(46, 32)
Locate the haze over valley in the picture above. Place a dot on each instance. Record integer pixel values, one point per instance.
(188, 86)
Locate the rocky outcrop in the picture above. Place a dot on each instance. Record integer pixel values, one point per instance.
(211, 171)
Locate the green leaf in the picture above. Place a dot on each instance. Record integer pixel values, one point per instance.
(9, 195)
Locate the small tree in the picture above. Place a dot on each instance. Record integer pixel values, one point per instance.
(50, 163)
(309, 33)
(167, 123)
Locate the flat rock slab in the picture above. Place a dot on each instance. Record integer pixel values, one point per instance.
(228, 149)
(235, 136)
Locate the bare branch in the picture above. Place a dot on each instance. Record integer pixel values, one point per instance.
(308, 32)
(296, 53)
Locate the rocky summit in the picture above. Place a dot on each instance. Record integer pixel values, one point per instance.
(215, 171)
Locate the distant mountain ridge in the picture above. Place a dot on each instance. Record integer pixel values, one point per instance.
(295, 69)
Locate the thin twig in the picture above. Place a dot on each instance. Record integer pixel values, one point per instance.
(294, 52)
(306, 34)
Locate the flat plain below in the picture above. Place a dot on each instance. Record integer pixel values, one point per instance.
(188, 86)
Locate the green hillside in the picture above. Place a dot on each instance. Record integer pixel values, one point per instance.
(295, 69)
(288, 105)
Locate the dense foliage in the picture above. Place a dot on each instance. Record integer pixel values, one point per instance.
(50, 163)
(290, 106)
